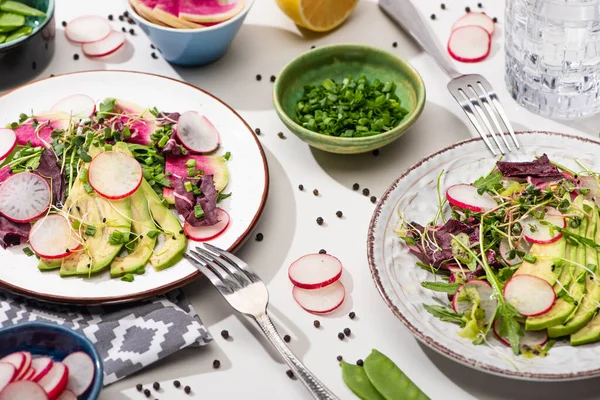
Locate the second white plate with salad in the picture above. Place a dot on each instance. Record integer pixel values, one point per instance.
(109, 176)
(495, 263)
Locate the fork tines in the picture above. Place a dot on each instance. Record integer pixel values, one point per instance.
(481, 104)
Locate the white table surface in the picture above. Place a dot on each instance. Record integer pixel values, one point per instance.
(249, 368)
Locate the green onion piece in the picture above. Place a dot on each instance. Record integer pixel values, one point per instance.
(188, 186)
(227, 156)
(28, 252)
(127, 278)
(90, 230)
(83, 175)
(163, 140)
(198, 211)
(116, 238)
(530, 258)
(126, 132)
(108, 147)
(152, 234)
(149, 160)
(165, 182)
(141, 270)
(190, 163)
(88, 188)
(76, 224)
(191, 171)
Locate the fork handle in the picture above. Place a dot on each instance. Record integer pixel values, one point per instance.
(409, 18)
(316, 388)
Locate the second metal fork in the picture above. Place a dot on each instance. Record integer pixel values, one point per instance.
(473, 92)
(247, 293)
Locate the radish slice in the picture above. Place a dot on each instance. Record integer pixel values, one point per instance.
(23, 390)
(466, 197)
(505, 251)
(16, 359)
(78, 105)
(26, 365)
(41, 365)
(55, 380)
(8, 373)
(197, 133)
(486, 295)
(322, 300)
(529, 295)
(530, 338)
(87, 29)
(8, 141)
(314, 271)
(115, 175)
(536, 232)
(104, 47)
(67, 395)
(24, 197)
(475, 19)
(28, 375)
(52, 237)
(469, 44)
(205, 233)
(81, 372)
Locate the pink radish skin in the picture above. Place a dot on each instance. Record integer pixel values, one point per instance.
(41, 134)
(469, 44)
(206, 233)
(24, 390)
(24, 197)
(55, 380)
(314, 271)
(529, 295)
(529, 338)
(320, 301)
(67, 395)
(87, 29)
(42, 366)
(8, 141)
(52, 237)
(81, 372)
(114, 175)
(28, 375)
(79, 105)
(209, 11)
(8, 373)
(536, 232)
(196, 133)
(26, 365)
(466, 197)
(104, 47)
(476, 19)
(16, 359)
(486, 294)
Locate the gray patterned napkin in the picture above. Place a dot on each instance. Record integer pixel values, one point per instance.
(128, 337)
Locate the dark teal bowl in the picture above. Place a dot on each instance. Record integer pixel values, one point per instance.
(23, 59)
(45, 339)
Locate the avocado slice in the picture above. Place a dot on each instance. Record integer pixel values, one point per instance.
(141, 224)
(46, 264)
(544, 267)
(586, 306)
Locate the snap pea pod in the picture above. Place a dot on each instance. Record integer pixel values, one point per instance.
(19, 33)
(389, 380)
(10, 6)
(356, 379)
(10, 21)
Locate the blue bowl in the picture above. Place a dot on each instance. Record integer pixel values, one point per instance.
(193, 47)
(45, 339)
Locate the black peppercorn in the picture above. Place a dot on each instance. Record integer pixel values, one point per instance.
(177, 384)
(225, 334)
(432, 16)
(154, 55)
(152, 46)
(359, 362)
(110, 17)
(156, 385)
(139, 387)
(376, 152)
(273, 78)
(259, 237)
(320, 220)
(356, 186)
(132, 31)
(316, 192)
(352, 315)
(366, 191)
(347, 331)
(373, 199)
(187, 389)
(316, 323)
(395, 44)
(216, 364)
(147, 392)
(313, 46)
(75, 56)
(64, 23)
(258, 77)
(257, 131)
(341, 336)
(287, 338)
(468, 9)
(301, 187)
(339, 358)
(443, 6)
(339, 214)
(322, 251)
(289, 373)
(121, 18)
(126, 14)
(281, 135)
(495, 19)
(130, 21)
(124, 30)
(479, 5)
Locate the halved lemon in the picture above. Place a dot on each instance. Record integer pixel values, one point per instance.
(318, 15)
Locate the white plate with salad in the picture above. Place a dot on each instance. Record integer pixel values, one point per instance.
(109, 176)
(495, 262)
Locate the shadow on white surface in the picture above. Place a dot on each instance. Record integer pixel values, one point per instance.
(483, 385)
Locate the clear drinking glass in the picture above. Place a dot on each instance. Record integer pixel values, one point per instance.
(553, 56)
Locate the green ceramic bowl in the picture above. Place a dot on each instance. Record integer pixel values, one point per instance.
(337, 62)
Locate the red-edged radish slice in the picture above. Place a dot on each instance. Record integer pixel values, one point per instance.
(67, 395)
(314, 271)
(42, 366)
(52, 237)
(196, 133)
(81, 372)
(8, 373)
(205, 233)
(24, 390)
(16, 359)
(26, 365)
(535, 231)
(87, 29)
(505, 251)
(8, 141)
(529, 338)
(477, 19)
(55, 380)
(114, 175)
(24, 197)
(322, 300)
(469, 44)
(486, 295)
(529, 295)
(28, 375)
(104, 47)
(466, 197)
(77, 105)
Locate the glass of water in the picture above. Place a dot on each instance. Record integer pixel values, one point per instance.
(553, 56)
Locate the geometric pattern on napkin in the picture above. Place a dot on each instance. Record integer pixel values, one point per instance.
(128, 336)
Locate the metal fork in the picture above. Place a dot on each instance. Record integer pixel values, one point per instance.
(246, 293)
(473, 92)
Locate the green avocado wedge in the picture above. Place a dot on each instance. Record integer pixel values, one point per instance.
(389, 380)
(46, 264)
(356, 379)
(544, 267)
